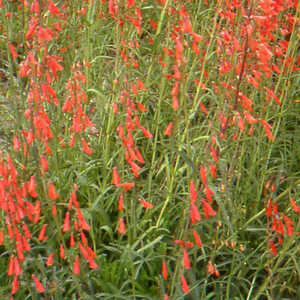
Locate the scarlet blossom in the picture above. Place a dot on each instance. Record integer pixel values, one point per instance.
(127, 185)
(92, 263)
(53, 210)
(72, 241)
(135, 168)
(11, 266)
(16, 143)
(44, 163)
(249, 118)
(1, 236)
(203, 174)
(83, 251)
(139, 156)
(13, 51)
(195, 215)
(213, 170)
(208, 193)
(82, 223)
(115, 108)
(76, 265)
(140, 85)
(146, 204)
(289, 225)
(61, 251)
(193, 192)
(168, 130)
(197, 239)
(186, 260)
(294, 205)
(49, 261)
(85, 147)
(175, 104)
(203, 108)
(121, 228)
(31, 187)
(272, 247)
(146, 133)
(53, 9)
(52, 192)
(15, 285)
(66, 226)
(269, 208)
(141, 107)
(272, 95)
(39, 287)
(121, 202)
(184, 284)
(268, 129)
(42, 235)
(164, 270)
(208, 211)
(210, 268)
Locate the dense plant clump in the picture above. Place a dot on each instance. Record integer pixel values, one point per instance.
(149, 149)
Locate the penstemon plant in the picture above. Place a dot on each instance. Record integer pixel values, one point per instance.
(149, 149)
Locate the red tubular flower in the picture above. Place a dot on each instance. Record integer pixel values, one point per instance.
(184, 284)
(208, 211)
(85, 147)
(31, 187)
(195, 215)
(42, 236)
(82, 223)
(116, 177)
(168, 130)
(61, 251)
(121, 202)
(121, 228)
(44, 163)
(203, 174)
(72, 241)
(49, 261)
(273, 248)
(193, 192)
(76, 265)
(16, 143)
(146, 204)
(53, 9)
(39, 287)
(289, 225)
(208, 193)
(197, 239)
(66, 226)
(52, 192)
(164, 270)
(127, 185)
(135, 168)
(141, 107)
(83, 251)
(11, 266)
(15, 285)
(1, 236)
(92, 263)
(17, 268)
(13, 51)
(294, 205)
(146, 133)
(186, 260)
(210, 268)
